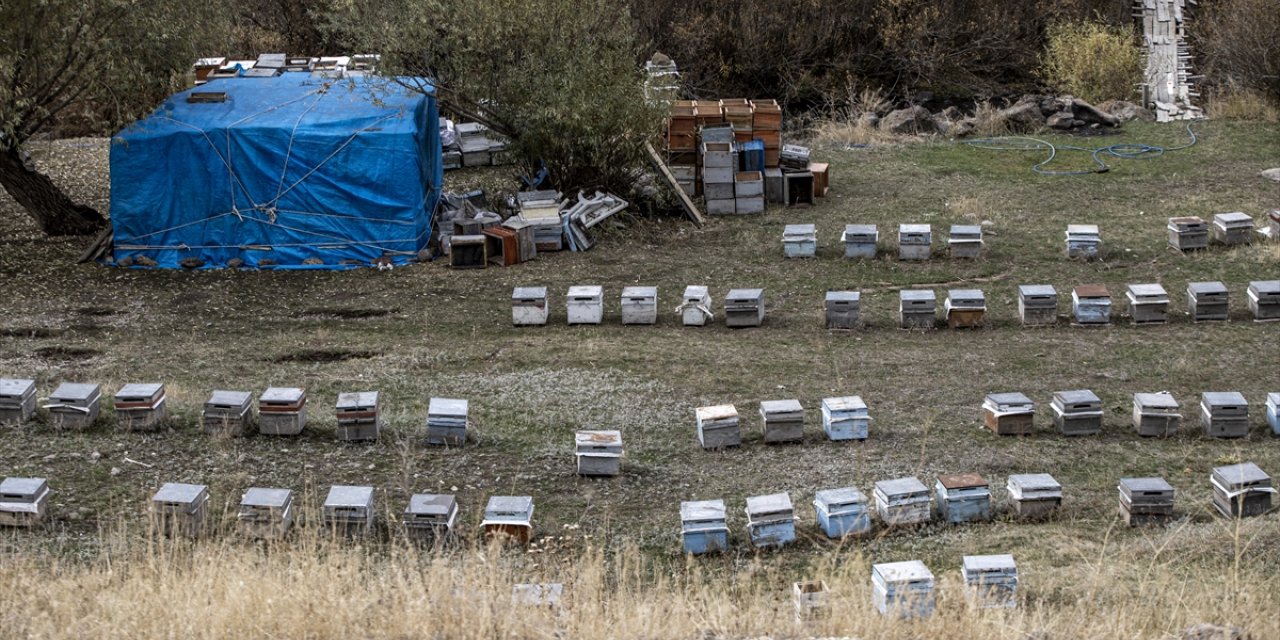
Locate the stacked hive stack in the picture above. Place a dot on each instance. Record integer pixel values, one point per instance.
(265, 514)
(282, 411)
(902, 501)
(228, 413)
(965, 308)
(358, 416)
(1009, 414)
(1233, 228)
(1077, 412)
(429, 517)
(963, 497)
(799, 241)
(348, 510)
(682, 146)
(1188, 233)
(599, 453)
(179, 509)
(23, 501)
(1034, 495)
(917, 308)
(1224, 414)
(1155, 414)
(903, 589)
(74, 406)
(1148, 303)
(845, 418)
(782, 420)
(771, 520)
(140, 407)
(1241, 490)
(860, 240)
(1084, 241)
(17, 400)
(842, 512)
(991, 581)
(1208, 301)
(447, 421)
(718, 426)
(1264, 300)
(1037, 304)
(1145, 501)
(719, 167)
(703, 526)
(766, 126)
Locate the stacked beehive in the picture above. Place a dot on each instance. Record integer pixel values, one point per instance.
(1224, 414)
(348, 510)
(771, 520)
(599, 453)
(903, 589)
(23, 501)
(265, 513)
(1037, 304)
(718, 426)
(842, 309)
(429, 517)
(1084, 241)
(719, 167)
(1188, 233)
(282, 411)
(782, 420)
(447, 421)
(1207, 301)
(1233, 228)
(963, 497)
(17, 400)
(1145, 501)
(1264, 300)
(74, 405)
(228, 413)
(1077, 412)
(358, 416)
(845, 418)
(842, 512)
(991, 581)
(1155, 414)
(902, 501)
(1034, 495)
(1241, 490)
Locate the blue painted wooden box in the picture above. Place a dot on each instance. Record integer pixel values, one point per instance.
(963, 497)
(1084, 241)
(903, 589)
(751, 155)
(842, 512)
(702, 526)
(771, 520)
(1091, 304)
(845, 418)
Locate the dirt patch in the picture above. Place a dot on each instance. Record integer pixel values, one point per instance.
(96, 312)
(66, 353)
(32, 332)
(347, 313)
(323, 355)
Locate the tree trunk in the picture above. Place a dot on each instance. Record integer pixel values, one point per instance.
(56, 214)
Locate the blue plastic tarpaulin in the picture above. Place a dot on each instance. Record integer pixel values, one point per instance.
(287, 170)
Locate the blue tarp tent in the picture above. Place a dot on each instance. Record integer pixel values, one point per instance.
(287, 170)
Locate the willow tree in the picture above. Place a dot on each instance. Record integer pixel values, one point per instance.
(118, 57)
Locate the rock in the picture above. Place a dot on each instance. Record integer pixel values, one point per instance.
(964, 127)
(941, 124)
(1207, 631)
(1062, 120)
(267, 262)
(1271, 174)
(115, 471)
(127, 261)
(349, 262)
(191, 263)
(951, 113)
(51, 457)
(1091, 114)
(424, 255)
(1126, 111)
(313, 261)
(143, 261)
(95, 456)
(916, 119)
(869, 120)
(1025, 115)
(74, 516)
(235, 263)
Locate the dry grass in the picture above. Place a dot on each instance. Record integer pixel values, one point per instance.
(1243, 104)
(845, 123)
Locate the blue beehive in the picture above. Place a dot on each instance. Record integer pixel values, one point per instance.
(751, 155)
(842, 512)
(1273, 412)
(702, 526)
(845, 418)
(903, 589)
(1091, 304)
(771, 521)
(963, 497)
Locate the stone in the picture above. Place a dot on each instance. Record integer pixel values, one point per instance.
(191, 263)
(951, 113)
(1271, 174)
(964, 127)
(1091, 114)
(941, 124)
(1023, 116)
(869, 120)
(1207, 631)
(1061, 120)
(914, 119)
(1126, 111)
(313, 261)
(143, 261)
(235, 263)
(126, 262)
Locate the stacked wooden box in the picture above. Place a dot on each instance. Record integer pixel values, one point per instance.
(682, 136)
(1207, 301)
(1077, 412)
(17, 400)
(718, 426)
(842, 512)
(766, 126)
(599, 453)
(991, 581)
(782, 420)
(584, 304)
(348, 510)
(703, 526)
(265, 514)
(1264, 300)
(180, 509)
(429, 517)
(228, 413)
(282, 411)
(639, 305)
(811, 599)
(965, 308)
(1037, 304)
(903, 589)
(1241, 490)
(1148, 303)
(845, 418)
(447, 421)
(23, 501)
(915, 241)
(1233, 228)
(771, 520)
(860, 240)
(358, 416)
(842, 309)
(1155, 414)
(1188, 233)
(902, 501)
(917, 308)
(1224, 414)
(748, 192)
(1009, 414)
(74, 405)
(1145, 501)
(1091, 304)
(965, 241)
(719, 167)
(800, 241)
(509, 518)
(1034, 495)
(1084, 241)
(744, 308)
(963, 497)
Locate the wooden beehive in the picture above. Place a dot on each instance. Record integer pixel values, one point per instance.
(771, 520)
(265, 514)
(903, 589)
(718, 426)
(1009, 414)
(17, 400)
(1091, 304)
(599, 453)
(23, 501)
(1037, 304)
(1208, 301)
(179, 509)
(1155, 414)
(1034, 495)
(529, 306)
(703, 527)
(282, 411)
(348, 510)
(509, 518)
(915, 242)
(842, 512)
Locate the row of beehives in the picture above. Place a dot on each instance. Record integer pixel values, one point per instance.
(917, 308)
(282, 411)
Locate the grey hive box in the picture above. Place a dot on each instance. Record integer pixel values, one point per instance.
(1264, 300)
(141, 406)
(860, 241)
(962, 497)
(965, 308)
(585, 304)
(509, 518)
(695, 306)
(771, 520)
(17, 400)
(703, 527)
(180, 509)
(74, 405)
(1207, 301)
(902, 502)
(359, 417)
(265, 513)
(842, 309)
(1034, 495)
(1009, 414)
(639, 305)
(1037, 304)
(1224, 414)
(917, 309)
(23, 501)
(990, 581)
(1155, 414)
(228, 413)
(1091, 304)
(1233, 228)
(348, 510)
(1241, 490)
(429, 517)
(1084, 241)
(744, 308)
(718, 426)
(282, 411)
(799, 241)
(782, 421)
(1188, 233)
(599, 453)
(447, 421)
(903, 589)
(1077, 412)
(965, 241)
(915, 242)
(845, 418)
(1145, 501)
(1148, 303)
(529, 306)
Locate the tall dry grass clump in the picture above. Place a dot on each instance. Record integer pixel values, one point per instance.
(1092, 61)
(852, 120)
(1242, 104)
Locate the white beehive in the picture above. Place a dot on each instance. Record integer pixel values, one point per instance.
(140, 406)
(965, 241)
(1148, 303)
(537, 595)
(1233, 228)
(991, 581)
(771, 520)
(718, 426)
(74, 406)
(179, 509)
(1207, 301)
(348, 510)
(1241, 490)
(903, 589)
(800, 241)
(599, 453)
(744, 308)
(282, 411)
(23, 501)
(915, 241)
(228, 413)
(529, 306)
(860, 241)
(447, 421)
(639, 305)
(695, 307)
(843, 309)
(917, 308)
(1084, 241)
(902, 501)
(17, 400)
(265, 513)
(1037, 304)
(585, 305)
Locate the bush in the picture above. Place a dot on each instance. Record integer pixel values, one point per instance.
(1237, 44)
(1091, 61)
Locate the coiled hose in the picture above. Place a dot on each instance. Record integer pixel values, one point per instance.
(1123, 151)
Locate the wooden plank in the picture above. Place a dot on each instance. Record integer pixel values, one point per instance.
(100, 245)
(690, 208)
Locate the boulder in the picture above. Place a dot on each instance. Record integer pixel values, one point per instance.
(126, 261)
(964, 127)
(1091, 114)
(1126, 111)
(191, 263)
(869, 120)
(1271, 174)
(914, 119)
(235, 263)
(941, 124)
(1025, 115)
(143, 261)
(1062, 120)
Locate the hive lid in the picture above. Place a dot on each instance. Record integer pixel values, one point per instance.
(841, 496)
(1144, 485)
(1223, 398)
(717, 412)
(861, 230)
(1265, 287)
(230, 398)
(282, 395)
(509, 504)
(780, 406)
(529, 293)
(1082, 230)
(598, 439)
(585, 291)
(1029, 482)
(261, 497)
(799, 230)
(447, 407)
(74, 391)
(431, 504)
(1202, 288)
(23, 486)
(739, 294)
(16, 387)
(999, 563)
(177, 492)
(1273, 399)
(639, 292)
(1245, 473)
(966, 295)
(1235, 218)
(357, 400)
(1030, 290)
(844, 403)
(966, 231)
(914, 229)
(702, 510)
(1159, 400)
(1010, 399)
(349, 496)
(695, 292)
(844, 296)
(962, 481)
(901, 486)
(1148, 291)
(909, 571)
(139, 390)
(917, 294)
(1187, 222)
(772, 503)
(1091, 291)
(1077, 396)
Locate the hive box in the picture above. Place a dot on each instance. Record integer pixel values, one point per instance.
(1034, 495)
(845, 418)
(1233, 228)
(1145, 501)
(529, 306)
(799, 241)
(902, 502)
(509, 518)
(429, 517)
(1207, 301)
(773, 191)
(842, 309)
(1091, 304)
(1241, 490)
(744, 308)
(810, 599)
(1155, 414)
(842, 512)
(1224, 414)
(902, 589)
(917, 309)
(718, 426)
(468, 251)
(74, 406)
(348, 510)
(860, 241)
(782, 420)
(965, 241)
(537, 595)
(914, 241)
(748, 192)
(1083, 241)
(599, 453)
(140, 406)
(1037, 304)
(1077, 413)
(282, 411)
(702, 526)
(1148, 303)
(962, 498)
(585, 305)
(228, 413)
(990, 581)
(639, 305)
(358, 416)
(771, 521)
(965, 308)
(1009, 414)
(17, 400)
(265, 514)
(1188, 233)
(447, 421)
(1273, 412)
(695, 308)
(797, 188)
(179, 509)
(23, 501)
(1264, 300)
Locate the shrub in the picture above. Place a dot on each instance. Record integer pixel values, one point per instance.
(1091, 61)
(1237, 44)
